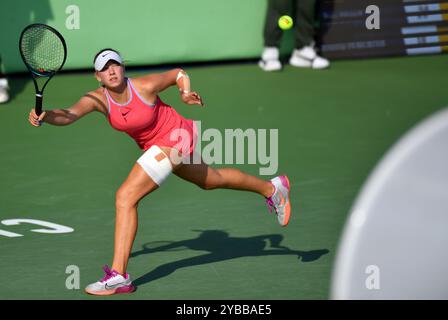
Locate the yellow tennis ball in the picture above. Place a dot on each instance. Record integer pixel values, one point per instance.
(285, 22)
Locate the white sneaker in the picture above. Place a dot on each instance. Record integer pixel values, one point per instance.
(308, 58)
(270, 59)
(4, 94)
(111, 283)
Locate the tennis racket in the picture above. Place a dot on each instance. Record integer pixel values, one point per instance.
(44, 52)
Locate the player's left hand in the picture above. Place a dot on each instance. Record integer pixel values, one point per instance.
(192, 98)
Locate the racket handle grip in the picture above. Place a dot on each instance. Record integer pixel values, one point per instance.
(38, 106)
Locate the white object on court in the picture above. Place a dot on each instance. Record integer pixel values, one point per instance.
(307, 57)
(4, 90)
(270, 59)
(394, 245)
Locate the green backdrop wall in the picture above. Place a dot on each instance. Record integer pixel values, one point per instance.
(146, 32)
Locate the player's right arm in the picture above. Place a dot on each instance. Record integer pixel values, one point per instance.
(63, 117)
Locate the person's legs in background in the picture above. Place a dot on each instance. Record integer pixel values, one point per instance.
(270, 58)
(305, 53)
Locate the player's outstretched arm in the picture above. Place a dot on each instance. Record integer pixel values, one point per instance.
(155, 83)
(63, 117)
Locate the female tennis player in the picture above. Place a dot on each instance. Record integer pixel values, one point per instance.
(166, 138)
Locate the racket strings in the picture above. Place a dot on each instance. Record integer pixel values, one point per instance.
(43, 50)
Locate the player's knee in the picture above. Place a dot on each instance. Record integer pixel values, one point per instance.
(125, 198)
(207, 186)
(213, 181)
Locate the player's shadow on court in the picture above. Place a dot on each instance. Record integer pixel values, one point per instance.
(220, 247)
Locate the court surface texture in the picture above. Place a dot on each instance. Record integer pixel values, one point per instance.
(333, 128)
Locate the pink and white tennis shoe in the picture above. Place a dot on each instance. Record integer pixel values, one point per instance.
(279, 200)
(111, 283)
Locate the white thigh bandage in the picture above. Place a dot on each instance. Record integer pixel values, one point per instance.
(156, 164)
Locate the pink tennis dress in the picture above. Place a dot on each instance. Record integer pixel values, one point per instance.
(152, 124)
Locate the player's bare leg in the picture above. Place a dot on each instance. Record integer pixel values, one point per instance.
(209, 178)
(137, 185)
(276, 191)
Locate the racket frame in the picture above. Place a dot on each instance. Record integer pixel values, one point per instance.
(35, 74)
